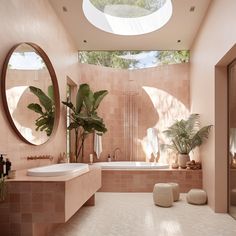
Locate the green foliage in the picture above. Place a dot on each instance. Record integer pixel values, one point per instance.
(107, 58)
(46, 109)
(114, 59)
(2, 188)
(185, 135)
(173, 57)
(84, 117)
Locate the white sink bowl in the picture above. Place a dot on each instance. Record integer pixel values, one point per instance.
(58, 170)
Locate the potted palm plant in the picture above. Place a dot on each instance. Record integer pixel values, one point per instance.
(84, 117)
(184, 136)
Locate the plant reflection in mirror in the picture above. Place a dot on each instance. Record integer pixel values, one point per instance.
(84, 117)
(46, 109)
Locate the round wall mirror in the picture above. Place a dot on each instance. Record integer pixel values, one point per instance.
(30, 93)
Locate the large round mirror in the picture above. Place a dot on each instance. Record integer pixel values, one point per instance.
(30, 93)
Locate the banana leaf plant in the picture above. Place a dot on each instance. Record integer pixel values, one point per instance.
(84, 117)
(185, 135)
(46, 109)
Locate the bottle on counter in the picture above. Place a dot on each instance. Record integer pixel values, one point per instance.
(91, 158)
(109, 158)
(2, 165)
(8, 166)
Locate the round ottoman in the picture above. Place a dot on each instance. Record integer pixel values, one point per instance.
(233, 197)
(175, 189)
(197, 197)
(163, 195)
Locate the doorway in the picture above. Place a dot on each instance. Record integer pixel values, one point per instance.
(232, 139)
(71, 88)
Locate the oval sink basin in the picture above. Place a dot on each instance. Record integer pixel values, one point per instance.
(59, 170)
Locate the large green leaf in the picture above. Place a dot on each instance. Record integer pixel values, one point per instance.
(98, 97)
(51, 92)
(89, 101)
(36, 108)
(82, 92)
(42, 122)
(43, 127)
(70, 105)
(193, 124)
(200, 136)
(44, 100)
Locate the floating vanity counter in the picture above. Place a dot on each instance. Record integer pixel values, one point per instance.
(36, 204)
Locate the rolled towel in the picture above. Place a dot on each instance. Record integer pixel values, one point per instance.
(97, 144)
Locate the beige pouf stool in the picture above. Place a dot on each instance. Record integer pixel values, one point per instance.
(197, 197)
(163, 195)
(175, 189)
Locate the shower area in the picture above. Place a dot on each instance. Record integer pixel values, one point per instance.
(140, 105)
(130, 123)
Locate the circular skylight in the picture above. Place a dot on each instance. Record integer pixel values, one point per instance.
(128, 17)
(128, 8)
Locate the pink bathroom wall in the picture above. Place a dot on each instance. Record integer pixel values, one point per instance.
(137, 100)
(35, 21)
(208, 75)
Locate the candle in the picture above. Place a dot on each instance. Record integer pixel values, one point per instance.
(91, 158)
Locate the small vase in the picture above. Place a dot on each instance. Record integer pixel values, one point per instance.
(182, 160)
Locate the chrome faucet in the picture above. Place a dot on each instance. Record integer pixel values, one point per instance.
(114, 153)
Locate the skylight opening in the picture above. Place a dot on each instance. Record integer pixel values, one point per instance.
(128, 17)
(133, 59)
(128, 8)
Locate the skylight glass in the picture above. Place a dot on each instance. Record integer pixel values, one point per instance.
(128, 8)
(128, 17)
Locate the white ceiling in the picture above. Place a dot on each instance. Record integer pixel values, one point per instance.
(183, 26)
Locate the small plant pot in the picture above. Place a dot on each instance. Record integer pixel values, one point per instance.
(182, 160)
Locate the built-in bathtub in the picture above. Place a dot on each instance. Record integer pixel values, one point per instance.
(131, 165)
(141, 176)
(59, 170)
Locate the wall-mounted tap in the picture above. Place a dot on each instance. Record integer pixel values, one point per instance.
(114, 153)
(43, 157)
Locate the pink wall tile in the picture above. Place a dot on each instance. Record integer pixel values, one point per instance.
(31, 212)
(144, 180)
(39, 24)
(128, 117)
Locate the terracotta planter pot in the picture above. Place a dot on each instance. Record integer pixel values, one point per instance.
(182, 160)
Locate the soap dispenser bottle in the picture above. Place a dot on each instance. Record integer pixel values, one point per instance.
(2, 165)
(109, 158)
(8, 166)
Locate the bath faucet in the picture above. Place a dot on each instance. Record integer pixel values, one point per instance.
(114, 152)
(44, 157)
